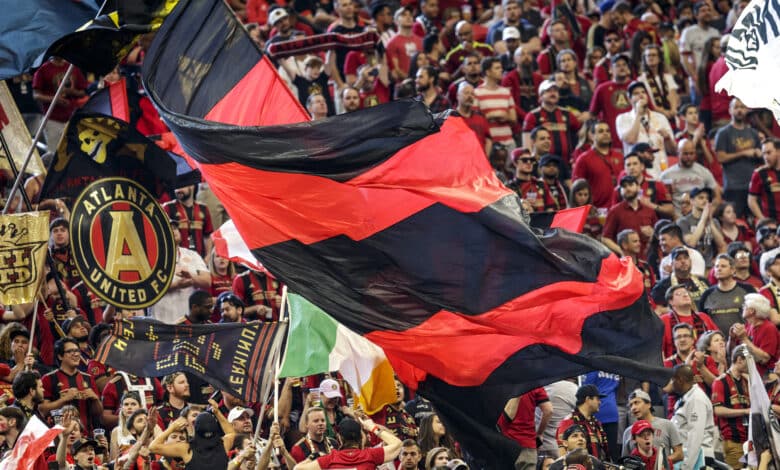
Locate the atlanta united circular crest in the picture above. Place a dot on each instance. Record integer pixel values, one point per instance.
(122, 243)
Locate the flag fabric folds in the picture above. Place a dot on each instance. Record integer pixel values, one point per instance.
(229, 245)
(763, 426)
(95, 146)
(101, 43)
(16, 135)
(236, 357)
(751, 56)
(28, 27)
(317, 343)
(28, 450)
(393, 222)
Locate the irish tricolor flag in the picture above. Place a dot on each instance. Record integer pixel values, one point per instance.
(317, 343)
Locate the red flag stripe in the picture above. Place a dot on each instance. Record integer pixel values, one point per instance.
(552, 315)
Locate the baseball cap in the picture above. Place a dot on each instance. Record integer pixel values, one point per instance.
(67, 324)
(81, 443)
(635, 84)
(587, 391)
(606, 6)
(550, 158)
(696, 191)
(330, 388)
(400, 11)
(518, 153)
(510, 32)
(457, 464)
(58, 222)
(680, 250)
(571, 430)
(19, 332)
(640, 426)
(236, 413)
(639, 393)
(546, 85)
(618, 57)
(277, 15)
(642, 147)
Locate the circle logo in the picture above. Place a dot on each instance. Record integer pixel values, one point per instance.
(122, 243)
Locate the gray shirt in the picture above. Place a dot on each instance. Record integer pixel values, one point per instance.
(665, 436)
(681, 180)
(737, 172)
(563, 399)
(725, 307)
(706, 244)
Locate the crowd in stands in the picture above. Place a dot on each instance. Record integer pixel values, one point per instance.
(611, 104)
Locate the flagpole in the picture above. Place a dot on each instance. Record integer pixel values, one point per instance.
(282, 309)
(17, 181)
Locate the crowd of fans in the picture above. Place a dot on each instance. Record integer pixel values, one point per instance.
(611, 104)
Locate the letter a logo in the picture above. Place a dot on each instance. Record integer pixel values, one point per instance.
(124, 235)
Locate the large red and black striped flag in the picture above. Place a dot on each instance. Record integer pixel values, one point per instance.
(393, 222)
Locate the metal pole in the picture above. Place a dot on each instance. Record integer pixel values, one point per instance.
(37, 137)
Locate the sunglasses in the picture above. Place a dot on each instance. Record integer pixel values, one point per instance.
(527, 160)
(611, 39)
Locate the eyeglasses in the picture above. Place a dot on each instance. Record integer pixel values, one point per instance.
(742, 255)
(683, 336)
(71, 351)
(611, 39)
(649, 54)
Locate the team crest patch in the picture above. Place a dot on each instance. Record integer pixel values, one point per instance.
(122, 243)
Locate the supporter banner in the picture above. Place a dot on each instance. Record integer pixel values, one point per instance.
(122, 243)
(323, 43)
(96, 146)
(100, 44)
(763, 427)
(753, 49)
(395, 224)
(16, 135)
(28, 27)
(236, 357)
(23, 239)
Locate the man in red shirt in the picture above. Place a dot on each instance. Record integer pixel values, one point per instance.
(45, 83)
(642, 433)
(610, 98)
(758, 334)
(600, 165)
(352, 454)
(475, 121)
(403, 45)
(517, 422)
(629, 214)
(652, 193)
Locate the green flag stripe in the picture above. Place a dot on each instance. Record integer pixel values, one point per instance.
(310, 341)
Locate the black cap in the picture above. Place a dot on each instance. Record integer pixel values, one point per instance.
(19, 332)
(78, 445)
(628, 179)
(680, 250)
(587, 391)
(696, 191)
(58, 222)
(618, 57)
(571, 430)
(642, 147)
(72, 321)
(550, 158)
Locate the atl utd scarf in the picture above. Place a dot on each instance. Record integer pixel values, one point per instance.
(393, 222)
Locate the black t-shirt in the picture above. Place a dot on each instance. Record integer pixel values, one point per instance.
(319, 85)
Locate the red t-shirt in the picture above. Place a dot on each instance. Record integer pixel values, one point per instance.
(402, 48)
(610, 99)
(601, 173)
(357, 459)
(765, 337)
(522, 429)
(622, 216)
(479, 125)
(46, 81)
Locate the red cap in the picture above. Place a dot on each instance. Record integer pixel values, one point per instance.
(519, 152)
(639, 426)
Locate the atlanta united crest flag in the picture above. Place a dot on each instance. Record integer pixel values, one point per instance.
(392, 221)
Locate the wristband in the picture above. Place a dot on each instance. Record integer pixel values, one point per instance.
(375, 429)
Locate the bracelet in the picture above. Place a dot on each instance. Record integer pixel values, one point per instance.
(375, 429)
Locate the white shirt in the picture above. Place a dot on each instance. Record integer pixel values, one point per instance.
(693, 419)
(651, 135)
(698, 266)
(175, 303)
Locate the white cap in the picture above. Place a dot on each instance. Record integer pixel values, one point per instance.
(546, 85)
(236, 413)
(510, 32)
(277, 15)
(330, 388)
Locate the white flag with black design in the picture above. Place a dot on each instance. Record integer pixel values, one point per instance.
(753, 57)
